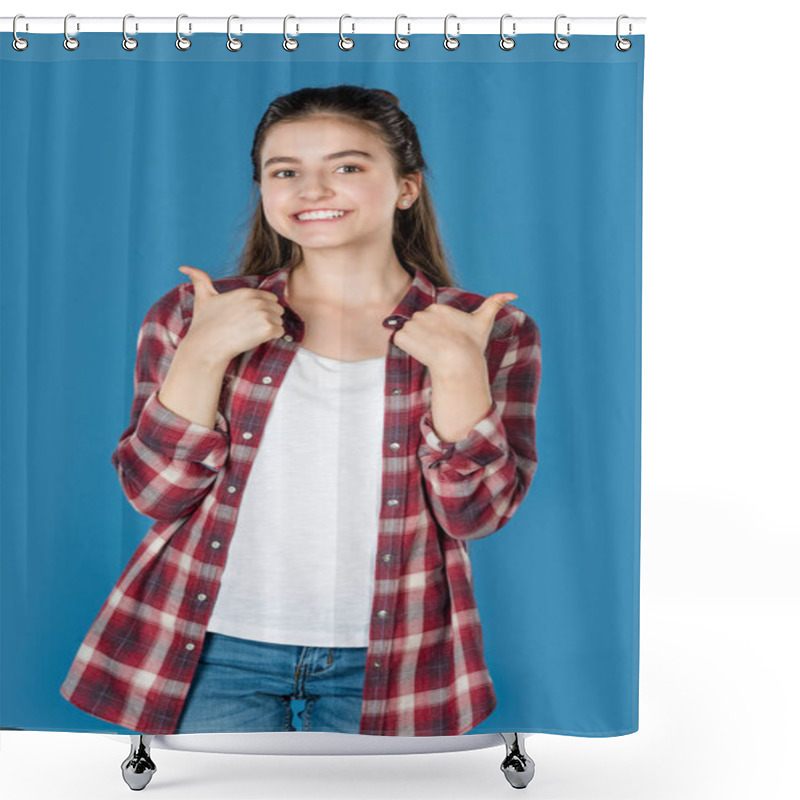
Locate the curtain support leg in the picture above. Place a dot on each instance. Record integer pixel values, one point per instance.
(138, 768)
(517, 766)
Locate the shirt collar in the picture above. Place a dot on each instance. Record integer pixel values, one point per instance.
(420, 294)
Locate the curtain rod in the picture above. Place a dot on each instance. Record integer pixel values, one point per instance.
(407, 25)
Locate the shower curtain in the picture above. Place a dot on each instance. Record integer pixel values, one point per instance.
(120, 166)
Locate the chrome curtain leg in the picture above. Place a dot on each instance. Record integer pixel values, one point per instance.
(517, 766)
(138, 768)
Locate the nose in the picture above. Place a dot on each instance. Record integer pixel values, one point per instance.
(314, 186)
(314, 193)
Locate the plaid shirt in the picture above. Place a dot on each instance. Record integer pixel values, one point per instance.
(425, 670)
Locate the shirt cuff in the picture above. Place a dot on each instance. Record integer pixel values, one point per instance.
(486, 442)
(173, 436)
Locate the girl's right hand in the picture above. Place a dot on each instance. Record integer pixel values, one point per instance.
(228, 323)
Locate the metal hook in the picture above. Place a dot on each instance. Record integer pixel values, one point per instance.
(561, 43)
(18, 43)
(344, 42)
(400, 42)
(128, 42)
(233, 44)
(451, 42)
(182, 43)
(70, 42)
(289, 43)
(623, 44)
(506, 42)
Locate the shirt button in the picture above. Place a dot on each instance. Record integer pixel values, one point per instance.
(387, 558)
(376, 664)
(288, 337)
(215, 544)
(266, 379)
(392, 502)
(382, 613)
(202, 596)
(247, 435)
(231, 489)
(190, 646)
(395, 391)
(394, 446)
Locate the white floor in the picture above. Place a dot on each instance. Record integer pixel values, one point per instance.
(718, 718)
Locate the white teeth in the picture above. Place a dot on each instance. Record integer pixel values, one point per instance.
(321, 215)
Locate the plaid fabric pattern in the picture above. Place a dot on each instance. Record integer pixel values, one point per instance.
(426, 674)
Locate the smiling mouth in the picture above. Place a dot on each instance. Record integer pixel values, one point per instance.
(325, 218)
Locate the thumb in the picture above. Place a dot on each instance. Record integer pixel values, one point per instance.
(203, 287)
(492, 304)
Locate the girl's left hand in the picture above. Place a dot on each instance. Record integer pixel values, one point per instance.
(444, 338)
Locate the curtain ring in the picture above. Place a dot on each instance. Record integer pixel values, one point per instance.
(18, 43)
(289, 43)
(128, 42)
(561, 43)
(70, 42)
(233, 44)
(182, 43)
(451, 42)
(344, 42)
(623, 44)
(506, 42)
(400, 42)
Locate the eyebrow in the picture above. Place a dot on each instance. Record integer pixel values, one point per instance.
(289, 160)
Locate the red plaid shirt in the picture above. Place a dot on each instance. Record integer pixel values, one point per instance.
(425, 669)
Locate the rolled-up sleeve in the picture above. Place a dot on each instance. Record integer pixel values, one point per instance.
(166, 464)
(175, 437)
(475, 485)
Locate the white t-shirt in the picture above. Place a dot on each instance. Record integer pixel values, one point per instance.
(301, 564)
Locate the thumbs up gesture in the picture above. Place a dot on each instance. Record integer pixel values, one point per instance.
(445, 338)
(225, 324)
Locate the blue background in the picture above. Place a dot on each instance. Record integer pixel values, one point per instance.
(118, 167)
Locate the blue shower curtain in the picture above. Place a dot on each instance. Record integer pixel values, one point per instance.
(118, 167)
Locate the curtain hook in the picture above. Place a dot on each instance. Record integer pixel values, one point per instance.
(182, 43)
(233, 44)
(289, 43)
(128, 42)
(400, 42)
(70, 42)
(561, 43)
(506, 42)
(451, 42)
(344, 42)
(623, 44)
(18, 42)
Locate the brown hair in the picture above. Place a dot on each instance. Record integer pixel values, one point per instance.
(415, 237)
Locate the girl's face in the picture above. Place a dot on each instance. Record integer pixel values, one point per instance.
(328, 163)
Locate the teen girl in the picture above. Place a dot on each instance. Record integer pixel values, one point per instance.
(317, 439)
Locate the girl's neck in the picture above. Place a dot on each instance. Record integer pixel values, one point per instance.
(350, 289)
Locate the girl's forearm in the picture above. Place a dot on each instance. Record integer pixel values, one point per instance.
(459, 398)
(193, 384)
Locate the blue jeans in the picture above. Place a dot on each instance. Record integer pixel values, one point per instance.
(243, 685)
